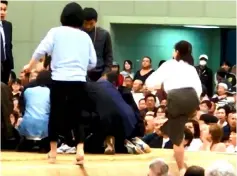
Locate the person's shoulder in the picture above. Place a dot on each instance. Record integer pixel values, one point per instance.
(100, 29)
(7, 22)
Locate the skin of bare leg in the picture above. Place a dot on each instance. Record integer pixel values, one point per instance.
(179, 156)
(80, 154)
(53, 152)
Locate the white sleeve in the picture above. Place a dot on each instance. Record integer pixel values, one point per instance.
(92, 55)
(45, 46)
(157, 78)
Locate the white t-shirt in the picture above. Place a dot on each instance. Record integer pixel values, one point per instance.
(175, 74)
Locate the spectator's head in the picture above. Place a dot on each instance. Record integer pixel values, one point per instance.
(90, 18)
(205, 106)
(149, 121)
(225, 65)
(233, 138)
(183, 51)
(127, 65)
(137, 86)
(16, 85)
(115, 67)
(163, 102)
(193, 126)
(158, 123)
(215, 133)
(158, 167)
(128, 82)
(203, 60)
(213, 108)
(233, 70)
(220, 168)
(3, 7)
(142, 104)
(72, 15)
(232, 120)
(150, 101)
(222, 88)
(208, 119)
(188, 137)
(161, 111)
(146, 62)
(195, 171)
(111, 77)
(222, 113)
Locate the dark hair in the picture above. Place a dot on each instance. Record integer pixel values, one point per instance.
(185, 51)
(226, 63)
(208, 119)
(129, 62)
(72, 15)
(112, 77)
(150, 95)
(161, 62)
(147, 58)
(195, 171)
(4, 2)
(188, 135)
(44, 78)
(47, 61)
(226, 108)
(195, 127)
(90, 14)
(207, 102)
(16, 81)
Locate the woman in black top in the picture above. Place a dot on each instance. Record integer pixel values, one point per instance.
(145, 71)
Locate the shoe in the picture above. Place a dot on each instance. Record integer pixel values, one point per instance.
(109, 144)
(63, 148)
(132, 149)
(71, 150)
(141, 145)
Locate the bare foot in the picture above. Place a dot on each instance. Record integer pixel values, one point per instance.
(52, 157)
(80, 154)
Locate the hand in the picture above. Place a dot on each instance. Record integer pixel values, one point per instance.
(26, 68)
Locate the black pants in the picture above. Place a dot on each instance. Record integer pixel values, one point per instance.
(67, 102)
(181, 104)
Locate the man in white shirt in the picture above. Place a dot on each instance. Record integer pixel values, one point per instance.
(183, 87)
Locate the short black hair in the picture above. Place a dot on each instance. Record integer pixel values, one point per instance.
(188, 135)
(16, 81)
(5, 2)
(72, 15)
(129, 62)
(150, 95)
(185, 51)
(90, 14)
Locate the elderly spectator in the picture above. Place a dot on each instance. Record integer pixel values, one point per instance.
(158, 167)
(221, 168)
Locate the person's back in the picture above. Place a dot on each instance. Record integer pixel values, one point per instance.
(37, 108)
(74, 64)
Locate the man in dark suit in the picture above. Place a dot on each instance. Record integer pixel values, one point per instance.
(7, 63)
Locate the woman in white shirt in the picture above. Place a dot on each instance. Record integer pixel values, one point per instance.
(183, 87)
(72, 53)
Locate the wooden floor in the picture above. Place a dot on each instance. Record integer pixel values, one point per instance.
(32, 164)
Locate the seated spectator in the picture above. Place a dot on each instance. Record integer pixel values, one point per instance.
(24, 77)
(196, 143)
(213, 108)
(137, 90)
(115, 68)
(211, 138)
(150, 104)
(149, 121)
(222, 114)
(158, 167)
(161, 111)
(222, 98)
(188, 137)
(34, 124)
(128, 82)
(231, 126)
(195, 171)
(127, 69)
(163, 102)
(142, 104)
(16, 88)
(205, 106)
(158, 139)
(232, 147)
(220, 168)
(33, 75)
